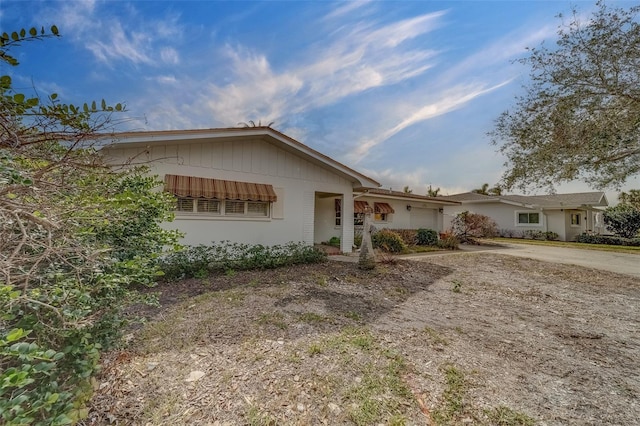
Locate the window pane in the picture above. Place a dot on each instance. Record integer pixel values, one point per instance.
(258, 208)
(358, 218)
(209, 206)
(234, 207)
(523, 218)
(534, 217)
(184, 205)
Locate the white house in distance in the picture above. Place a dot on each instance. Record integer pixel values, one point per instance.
(568, 215)
(256, 185)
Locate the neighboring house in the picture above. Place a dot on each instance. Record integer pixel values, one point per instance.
(568, 215)
(391, 209)
(256, 185)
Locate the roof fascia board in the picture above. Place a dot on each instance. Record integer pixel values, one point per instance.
(409, 199)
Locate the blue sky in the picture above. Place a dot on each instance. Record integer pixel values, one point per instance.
(403, 91)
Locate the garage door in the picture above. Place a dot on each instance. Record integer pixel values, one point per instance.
(423, 218)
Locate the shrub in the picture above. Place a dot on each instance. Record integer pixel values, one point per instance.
(357, 240)
(427, 237)
(407, 235)
(467, 226)
(608, 240)
(198, 261)
(334, 241)
(388, 240)
(623, 220)
(551, 236)
(448, 241)
(534, 234)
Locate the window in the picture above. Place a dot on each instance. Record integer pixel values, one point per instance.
(575, 219)
(528, 218)
(228, 208)
(184, 205)
(338, 212)
(358, 219)
(233, 207)
(208, 206)
(382, 211)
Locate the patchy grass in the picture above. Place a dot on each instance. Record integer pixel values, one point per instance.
(276, 319)
(451, 408)
(505, 416)
(570, 244)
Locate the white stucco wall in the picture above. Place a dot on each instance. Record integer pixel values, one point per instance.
(295, 180)
(422, 215)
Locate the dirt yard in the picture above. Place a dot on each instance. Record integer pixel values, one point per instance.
(474, 338)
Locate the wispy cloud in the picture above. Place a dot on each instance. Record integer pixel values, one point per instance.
(354, 60)
(111, 39)
(450, 100)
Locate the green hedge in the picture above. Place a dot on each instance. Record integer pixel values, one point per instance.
(201, 260)
(608, 240)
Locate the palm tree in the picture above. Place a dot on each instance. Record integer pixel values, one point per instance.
(252, 123)
(433, 192)
(407, 190)
(482, 190)
(496, 190)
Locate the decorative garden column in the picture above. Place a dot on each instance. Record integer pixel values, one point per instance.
(367, 255)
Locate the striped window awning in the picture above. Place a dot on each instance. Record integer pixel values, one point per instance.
(360, 206)
(196, 187)
(383, 208)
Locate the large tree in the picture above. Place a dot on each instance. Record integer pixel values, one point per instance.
(76, 239)
(580, 115)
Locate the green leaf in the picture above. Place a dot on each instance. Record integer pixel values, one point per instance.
(54, 30)
(54, 96)
(18, 97)
(15, 36)
(23, 33)
(118, 107)
(53, 398)
(85, 107)
(104, 105)
(33, 32)
(93, 106)
(16, 334)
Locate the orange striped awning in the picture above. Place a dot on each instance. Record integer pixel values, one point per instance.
(196, 187)
(360, 206)
(383, 208)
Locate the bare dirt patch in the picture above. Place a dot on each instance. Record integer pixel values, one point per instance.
(474, 338)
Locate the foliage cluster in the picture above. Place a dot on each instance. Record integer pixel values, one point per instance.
(76, 238)
(334, 242)
(534, 234)
(448, 241)
(623, 220)
(608, 240)
(388, 241)
(427, 237)
(468, 226)
(407, 235)
(580, 115)
(201, 260)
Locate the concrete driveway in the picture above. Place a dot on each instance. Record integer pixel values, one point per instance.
(622, 263)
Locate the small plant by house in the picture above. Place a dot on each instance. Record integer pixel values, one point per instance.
(334, 242)
(389, 241)
(426, 237)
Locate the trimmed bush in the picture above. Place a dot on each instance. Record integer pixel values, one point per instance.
(427, 237)
(389, 241)
(334, 242)
(608, 240)
(201, 260)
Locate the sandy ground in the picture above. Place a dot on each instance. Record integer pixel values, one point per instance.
(474, 338)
